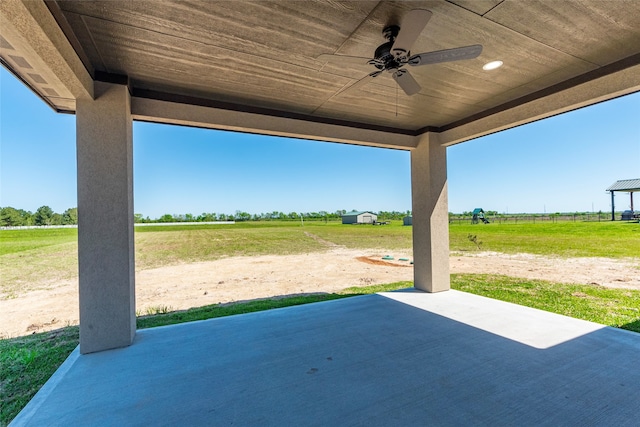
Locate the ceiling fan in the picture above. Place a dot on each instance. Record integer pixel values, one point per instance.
(395, 54)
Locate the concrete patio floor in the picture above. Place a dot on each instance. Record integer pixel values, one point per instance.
(400, 358)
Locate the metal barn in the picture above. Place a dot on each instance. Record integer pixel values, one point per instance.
(355, 217)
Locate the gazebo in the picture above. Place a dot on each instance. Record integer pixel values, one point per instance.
(627, 186)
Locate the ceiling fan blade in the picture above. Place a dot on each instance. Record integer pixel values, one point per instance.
(343, 59)
(363, 81)
(447, 55)
(412, 25)
(406, 81)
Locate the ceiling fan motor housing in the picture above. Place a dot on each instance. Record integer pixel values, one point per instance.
(384, 59)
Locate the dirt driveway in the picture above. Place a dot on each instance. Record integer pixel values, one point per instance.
(244, 278)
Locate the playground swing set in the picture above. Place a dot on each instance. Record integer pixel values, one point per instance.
(478, 215)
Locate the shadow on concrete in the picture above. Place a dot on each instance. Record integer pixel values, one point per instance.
(368, 360)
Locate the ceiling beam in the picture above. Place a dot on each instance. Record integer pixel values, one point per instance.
(187, 114)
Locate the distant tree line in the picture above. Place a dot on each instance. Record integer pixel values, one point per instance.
(265, 216)
(44, 215)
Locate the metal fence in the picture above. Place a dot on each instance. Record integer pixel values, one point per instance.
(539, 218)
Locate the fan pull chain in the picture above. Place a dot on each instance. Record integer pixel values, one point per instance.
(396, 100)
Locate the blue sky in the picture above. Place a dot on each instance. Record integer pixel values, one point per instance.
(561, 164)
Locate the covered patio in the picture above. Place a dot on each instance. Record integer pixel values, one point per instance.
(400, 358)
(323, 71)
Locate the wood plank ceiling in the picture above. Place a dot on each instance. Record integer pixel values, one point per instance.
(264, 53)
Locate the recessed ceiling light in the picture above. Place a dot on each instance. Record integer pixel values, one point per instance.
(492, 65)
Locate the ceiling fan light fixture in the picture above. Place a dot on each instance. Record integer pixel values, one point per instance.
(492, 65)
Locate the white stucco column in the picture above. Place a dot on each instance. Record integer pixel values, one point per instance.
(430, 215)
(105, 219)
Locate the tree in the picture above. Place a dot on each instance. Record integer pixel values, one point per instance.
(43, 216)
(242, 216)
(70, 216)
(207, 217)
(278, 215)
(166, 218)
(10, 217)
(27, 217)
(56, 219)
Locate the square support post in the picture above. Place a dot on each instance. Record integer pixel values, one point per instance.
(430, 214)
(104, 133)
(613, 206)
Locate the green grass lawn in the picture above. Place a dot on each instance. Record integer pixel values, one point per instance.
(30, 259)
(33, 259)
(159, 246)
(394, 236)
(565, 239)
(16, 241)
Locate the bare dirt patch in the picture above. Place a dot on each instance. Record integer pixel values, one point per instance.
(607, 272)
(244, 278)
(377, 261)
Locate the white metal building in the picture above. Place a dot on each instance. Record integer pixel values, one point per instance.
(355, 217)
